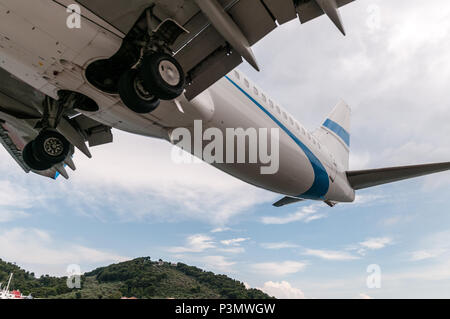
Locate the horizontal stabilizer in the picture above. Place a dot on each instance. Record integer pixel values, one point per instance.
(286, 201)
(374, 177)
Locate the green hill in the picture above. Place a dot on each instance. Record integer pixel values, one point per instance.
(140, 278)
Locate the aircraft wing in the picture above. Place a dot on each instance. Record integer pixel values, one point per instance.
(374, 177)
(20, 111)
(214, 44)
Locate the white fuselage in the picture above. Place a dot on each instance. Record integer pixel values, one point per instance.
(306, 168)
(37, 47)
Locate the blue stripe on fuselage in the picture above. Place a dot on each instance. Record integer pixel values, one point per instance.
(338, 130)
(321, 182)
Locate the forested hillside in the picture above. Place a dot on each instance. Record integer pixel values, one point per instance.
(140, 278)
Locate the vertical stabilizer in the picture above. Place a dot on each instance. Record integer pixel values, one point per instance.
(334, 133)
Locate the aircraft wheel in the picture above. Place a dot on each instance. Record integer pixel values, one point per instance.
(31, 161)
(134, 95)
(163, 75)
(50, 147)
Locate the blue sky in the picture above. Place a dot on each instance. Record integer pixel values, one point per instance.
(130, 200)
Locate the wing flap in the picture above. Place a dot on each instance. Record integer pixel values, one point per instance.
(216, 66)
(374, 177)
(283, 10)
(12, 148)
(253, 19)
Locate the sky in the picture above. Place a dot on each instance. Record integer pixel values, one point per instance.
(131, 200)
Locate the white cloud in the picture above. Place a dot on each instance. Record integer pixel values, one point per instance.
(434, 246)
(137, 181)
(192, 191)
(330, 254)
(233, 242)
(438, 271)
(9, 215)
(14, 201)
(36, 250)
(194, 244)
(214, 263)
(376, 243)
(426, 254)
(359, 160)
(217, 263)
(220, 229)
(394, 220)
(343, 255)
(362, 199)
(232, 250)
(279, 268)
(304, 214)
(278, 245)
(282, 290)
(199, 243)
(13, 195)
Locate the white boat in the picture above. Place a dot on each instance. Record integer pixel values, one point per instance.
(6, 294)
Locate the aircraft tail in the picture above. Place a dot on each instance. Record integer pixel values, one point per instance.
(334, 133)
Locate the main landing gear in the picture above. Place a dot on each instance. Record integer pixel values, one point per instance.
(49, 148)
(143, 71)
(158, 77)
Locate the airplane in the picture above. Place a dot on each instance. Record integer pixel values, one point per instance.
(70, 71)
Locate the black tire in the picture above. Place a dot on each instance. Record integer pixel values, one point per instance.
(31, 161)
(50, 147)
(133, 95)
(154, 81)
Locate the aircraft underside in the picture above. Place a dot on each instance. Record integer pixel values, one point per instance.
(71, 72)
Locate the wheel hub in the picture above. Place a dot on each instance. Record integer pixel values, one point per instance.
(53, 146)
(169, 73)
(141, 91)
